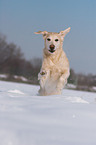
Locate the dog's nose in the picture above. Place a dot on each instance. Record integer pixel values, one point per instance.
(52, 46)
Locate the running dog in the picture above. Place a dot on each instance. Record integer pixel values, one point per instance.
(55, 66)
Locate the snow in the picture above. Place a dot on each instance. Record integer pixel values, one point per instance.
(21, 78)
(71, 86)
(94, 88)
(16, 91)
(29, 119)
(3, 76)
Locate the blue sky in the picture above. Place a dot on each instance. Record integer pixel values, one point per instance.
(19, 19)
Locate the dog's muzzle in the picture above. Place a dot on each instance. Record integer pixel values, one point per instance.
(52, 48)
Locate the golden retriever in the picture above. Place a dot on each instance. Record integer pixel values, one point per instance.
(55, 66)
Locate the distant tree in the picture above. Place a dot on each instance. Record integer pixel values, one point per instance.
(10, 56)
(73, 77)
(12, 61)
(86, 80)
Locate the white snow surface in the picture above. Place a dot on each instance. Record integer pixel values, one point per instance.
(29, 119)
(3, 76)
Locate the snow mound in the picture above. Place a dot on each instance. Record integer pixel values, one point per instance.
(76, 100)
(16, 91)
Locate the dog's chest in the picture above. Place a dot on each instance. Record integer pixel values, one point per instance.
(57, 63)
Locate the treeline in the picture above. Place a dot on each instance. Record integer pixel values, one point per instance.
(13, 63)
(82, 81)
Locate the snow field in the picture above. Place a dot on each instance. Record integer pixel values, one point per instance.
(29, 119)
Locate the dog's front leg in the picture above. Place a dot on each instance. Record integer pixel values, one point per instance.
(63, 80)
(42, 77)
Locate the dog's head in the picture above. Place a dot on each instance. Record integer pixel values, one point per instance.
(53, 41)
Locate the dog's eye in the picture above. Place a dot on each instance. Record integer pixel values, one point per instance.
(49, 39)
(56, 40)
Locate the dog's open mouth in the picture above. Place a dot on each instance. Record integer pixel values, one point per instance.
(52, 51)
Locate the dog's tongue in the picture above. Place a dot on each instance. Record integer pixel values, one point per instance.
(51, 51)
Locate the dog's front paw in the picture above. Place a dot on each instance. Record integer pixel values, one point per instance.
(41, 74)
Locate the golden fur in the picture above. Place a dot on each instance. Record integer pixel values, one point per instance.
(55, 66)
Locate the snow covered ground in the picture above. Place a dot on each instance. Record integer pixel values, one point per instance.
(29, 119)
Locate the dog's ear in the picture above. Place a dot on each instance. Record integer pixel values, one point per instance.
(44, 33)
(63, 33)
